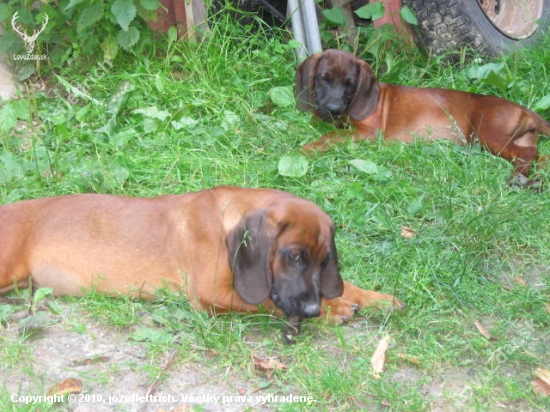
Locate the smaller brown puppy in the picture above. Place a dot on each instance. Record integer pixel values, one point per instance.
(337, 85)
(227, 248)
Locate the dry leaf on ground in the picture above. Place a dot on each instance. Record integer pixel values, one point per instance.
(379, 357)
(267, 363)
(543, 375)
(541, 384)
(520, 281)
(70, 385)
(408, 232)
(410, 359)
(482, 330)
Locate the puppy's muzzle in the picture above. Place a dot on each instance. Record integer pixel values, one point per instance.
(311, 310)
(331, 111)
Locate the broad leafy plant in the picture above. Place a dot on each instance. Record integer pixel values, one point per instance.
(76, 29)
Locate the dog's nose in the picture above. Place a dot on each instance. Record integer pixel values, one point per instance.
(334, 108)
(311, 310)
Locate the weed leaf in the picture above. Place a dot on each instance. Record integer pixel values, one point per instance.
(5, 12)
(11, 111)
(408, 15)
(150, 5)
(372, 11)
(293, 166)
(21, 109)
(89, 16)
(154, 336)
(493, 74)
(365, 166)
(126, 39)
(335, 16)
(8, 118)
(40, 294)
(39, 320)
(119, 99)
(543, 103)
(11, 167)
(153, 113)
(124, 12)
(5, 312)
(109, 47)
(415, 207)
(122, 138)
(183, 122)
(172, 34)
(25, 72)
(230, 120)
(282, 96)
(73, 3)
(75, 91)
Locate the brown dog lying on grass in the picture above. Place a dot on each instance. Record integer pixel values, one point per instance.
(336, 86)
(227, 248)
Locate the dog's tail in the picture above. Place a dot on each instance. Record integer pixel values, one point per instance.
(543, 125)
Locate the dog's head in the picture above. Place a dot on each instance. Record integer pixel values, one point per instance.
(286, 253)
(335, 83)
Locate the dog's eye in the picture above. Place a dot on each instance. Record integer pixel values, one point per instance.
(295, 256)
(350, 83)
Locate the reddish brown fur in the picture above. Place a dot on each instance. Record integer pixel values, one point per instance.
(133, 246)
(404, 113)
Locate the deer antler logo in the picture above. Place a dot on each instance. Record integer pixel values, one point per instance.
(29, 40)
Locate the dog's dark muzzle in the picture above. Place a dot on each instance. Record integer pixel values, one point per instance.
(330, 112)
(298, 307)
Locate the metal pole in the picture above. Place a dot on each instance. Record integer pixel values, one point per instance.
(298, 28)
(313, 37)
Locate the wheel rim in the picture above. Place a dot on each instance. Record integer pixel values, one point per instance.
(516, 19)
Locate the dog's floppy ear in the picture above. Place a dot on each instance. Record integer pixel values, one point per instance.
(365, 99)
(332, 284)
(249, 246)
(303, 81)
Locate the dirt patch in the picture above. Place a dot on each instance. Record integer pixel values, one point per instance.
(120, 374)
(117, 374)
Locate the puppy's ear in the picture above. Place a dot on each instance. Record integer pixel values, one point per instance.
(249, 246)
(303, 81)
(332, 284)
(365, 99)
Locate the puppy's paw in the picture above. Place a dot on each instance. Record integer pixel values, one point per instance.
(518, 181)
(535, 183)
(339, 311)
(377, 300)
(342, 309)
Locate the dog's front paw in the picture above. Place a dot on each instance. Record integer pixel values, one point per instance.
(372, 299)
(521, 181)
(342, 309)
(338, 311)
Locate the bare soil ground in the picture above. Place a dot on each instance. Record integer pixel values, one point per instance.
(113, 371)
(117, 373)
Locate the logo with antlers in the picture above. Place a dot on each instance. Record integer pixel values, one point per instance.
(29, 40)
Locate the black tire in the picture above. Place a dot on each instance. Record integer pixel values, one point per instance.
(446, 25)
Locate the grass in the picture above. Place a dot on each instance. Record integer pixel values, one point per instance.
(190, 117)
